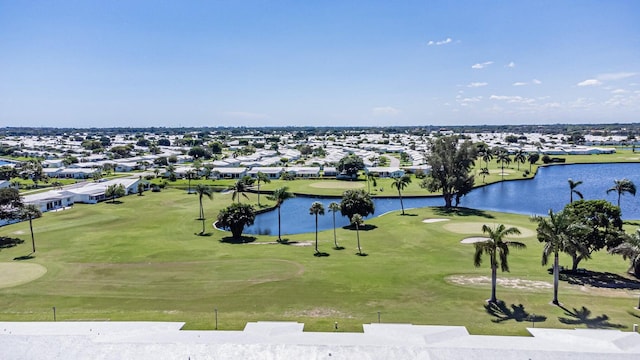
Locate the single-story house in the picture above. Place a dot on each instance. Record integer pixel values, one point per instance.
(329, 171)
(304, 172)
(228, 172)
(385, 171)
(50, 200)
(271, 172)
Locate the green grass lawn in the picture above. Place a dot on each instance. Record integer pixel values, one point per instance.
(142, 260)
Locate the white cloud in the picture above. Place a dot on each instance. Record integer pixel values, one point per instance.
(519, 83)
(615, 76)
(477, 84)
(511, 65)
(590, 82)
(512, 99)
(481, 65)
(536, 81)
(619, 91)
(243, 115)
(441, 42)
(385, 111)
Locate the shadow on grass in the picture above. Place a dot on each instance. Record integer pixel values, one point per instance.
(635, 315)
(203, 233)
(117, 202)
(461, 211)
(582, 316)
(365, 227)
(240, 240)
(362, 254)
(321, 254)
(501, 312)
(25, 257)
(8, 242)
(598, 279)
(629, 222)
(338, 248)
(408, 214)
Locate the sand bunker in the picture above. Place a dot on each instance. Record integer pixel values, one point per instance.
(18, 273)
(472, 240)
(428, 221)
(475, 228)
(504, 282)
(338, 185)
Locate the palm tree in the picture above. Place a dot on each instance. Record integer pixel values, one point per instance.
(371, 178)
(357, 221)
(31, 212)
(572, 186)
(239, 188)
(279, 196)
(623, 186)
(503, 157)
(401, 183)
(486, 157)
(630, 249)
(519, 158)
(484, 172)
(202, 191)
(532, 158)
(334, 207)
(316, 209)
(261, 177)
(498, 251)
(190, 175)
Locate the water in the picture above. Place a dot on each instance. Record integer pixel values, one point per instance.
(548, 190)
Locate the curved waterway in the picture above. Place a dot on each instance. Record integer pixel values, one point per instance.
(548, 190)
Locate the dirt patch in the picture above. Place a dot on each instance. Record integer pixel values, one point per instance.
(429, 221)
(475, 228)
(18, 273)
(19, 232)
(337, 185)
(473, 240)
(504, 282)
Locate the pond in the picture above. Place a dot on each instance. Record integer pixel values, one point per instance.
(548, 190)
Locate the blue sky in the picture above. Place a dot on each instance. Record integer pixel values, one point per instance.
(325, 63)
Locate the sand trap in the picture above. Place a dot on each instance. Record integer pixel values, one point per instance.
(428, 221)
(338, 184)
(504, 282)
(473, 240)
(18, 273)
(475, 228)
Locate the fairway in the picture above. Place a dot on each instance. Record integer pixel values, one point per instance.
(337, 185)
(142, 259)
(17, 273)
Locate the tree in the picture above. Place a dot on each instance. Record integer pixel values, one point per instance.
(371, 178)
(558, 232)
(630, 250)
(532, 159)
(261, 177)
(572, 187)
(498, 251)
(350, 165)
(202, 191)
(484, 172)
(356, 202)
(450, 167)
(502, 157)
(602, 227)
(190, 175)
(519, 158)
(316, 209)
(239, 188)
(10, 204)
(30, 212)
(357, 221)
(623, 186)
(113, 191)
(400, 183)
(235, 217)
(280, 195)
(487, 156)
(334, 207)
(140, 188)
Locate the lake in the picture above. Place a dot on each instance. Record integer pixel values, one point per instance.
(548, 190)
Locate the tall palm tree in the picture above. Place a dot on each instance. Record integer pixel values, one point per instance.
(316, 209)
(557, 232)
(486, 157)
(334, 207)
(484, 172)
(238, 189)
(623, 186)
(401, 183)
(532, 158)
(191, 173)
(31, 212)
(279, 196)
(261, 177)
(572, 187)
(371, 178)
(630, 249)
(503, 158)
(202, 191)
(519, 158)
(358, 221)
(498, 251)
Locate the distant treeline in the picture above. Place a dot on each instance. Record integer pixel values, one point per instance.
(632, 129)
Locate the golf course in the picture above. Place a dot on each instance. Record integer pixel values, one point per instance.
(143, 258)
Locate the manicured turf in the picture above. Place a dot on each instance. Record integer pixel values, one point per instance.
(142, 260)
